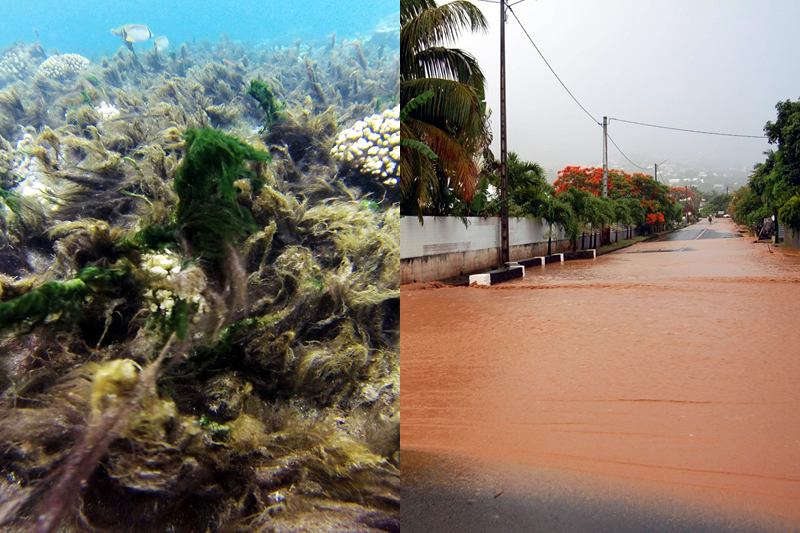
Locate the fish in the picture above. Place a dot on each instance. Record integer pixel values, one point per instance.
(160, 43)
(133, 33)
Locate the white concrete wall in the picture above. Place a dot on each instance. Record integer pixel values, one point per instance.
(446, 235)
(443, 247)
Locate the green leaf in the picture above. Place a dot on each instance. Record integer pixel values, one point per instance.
(421, 147)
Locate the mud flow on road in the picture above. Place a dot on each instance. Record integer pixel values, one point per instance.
(672, 364)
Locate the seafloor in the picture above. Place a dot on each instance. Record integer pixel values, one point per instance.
(198, 300)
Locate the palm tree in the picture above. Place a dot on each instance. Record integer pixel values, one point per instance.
(526, 179)
(606, 215)
(553, 212)
(417, 157)
(452, 121)
(584, 206)
(622, 214)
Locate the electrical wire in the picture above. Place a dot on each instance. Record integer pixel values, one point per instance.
(617, 119)
(498, 1)
(690, 131)
(551, 68)
(623, 153)
(566, 89)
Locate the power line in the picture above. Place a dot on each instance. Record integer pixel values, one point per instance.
(566, 89)
(623, 153)
(617, 119)
(690, 131)
(551, 68)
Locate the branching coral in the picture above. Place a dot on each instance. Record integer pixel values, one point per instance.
(17, 61)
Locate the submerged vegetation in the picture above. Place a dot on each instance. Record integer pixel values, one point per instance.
(266, 100)
(199, 309)
(207, 214)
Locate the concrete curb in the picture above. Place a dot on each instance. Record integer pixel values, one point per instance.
(497, 276)
(591, 253)
(504, 274)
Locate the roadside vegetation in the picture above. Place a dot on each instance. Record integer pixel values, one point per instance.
(633, 200)
(574, 201)
(716, 202)
(773, 190)
(447, 168)
(444, 127)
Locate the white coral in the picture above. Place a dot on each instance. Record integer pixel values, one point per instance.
(170, 281)
(12, 66)
(63, 66)
(31, 177)
(106, 110)
(373, 145)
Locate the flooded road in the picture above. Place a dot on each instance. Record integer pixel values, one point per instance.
(672, 365)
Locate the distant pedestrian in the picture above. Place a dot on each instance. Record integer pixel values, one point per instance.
(709, 219)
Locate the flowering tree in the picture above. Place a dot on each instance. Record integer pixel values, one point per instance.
(681, 193)
(653, 196)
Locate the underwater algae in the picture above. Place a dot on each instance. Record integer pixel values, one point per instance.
(199, 311)
(266, 100)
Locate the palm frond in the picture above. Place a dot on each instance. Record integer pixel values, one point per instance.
(450, 63)
(433, 26)
(443, 108)
(455, 107)
(454, 160)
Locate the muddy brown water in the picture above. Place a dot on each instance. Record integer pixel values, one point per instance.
(674, 364)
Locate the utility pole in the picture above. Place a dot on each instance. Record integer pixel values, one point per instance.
(655, 174)
(605, 156)
(686, 204)
(504, 244)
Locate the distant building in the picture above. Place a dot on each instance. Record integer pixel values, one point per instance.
(719, 187)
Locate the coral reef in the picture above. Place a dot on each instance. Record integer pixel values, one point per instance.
(200, 314)
(17, 62)
(106, 110)
(373, 145)
(62, 66)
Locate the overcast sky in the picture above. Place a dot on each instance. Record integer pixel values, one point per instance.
(696, 64)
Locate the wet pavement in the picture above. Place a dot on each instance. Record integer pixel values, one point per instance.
(658, 385)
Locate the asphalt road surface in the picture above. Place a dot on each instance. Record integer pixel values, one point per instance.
(719, 229)
(653, 389)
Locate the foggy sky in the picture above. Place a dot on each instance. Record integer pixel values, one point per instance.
(696, 64)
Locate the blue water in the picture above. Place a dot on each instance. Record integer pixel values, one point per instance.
(82, 26)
